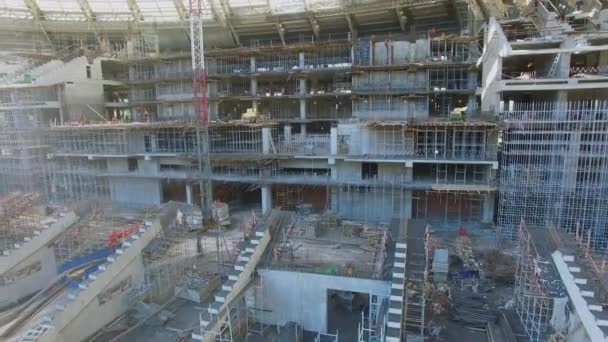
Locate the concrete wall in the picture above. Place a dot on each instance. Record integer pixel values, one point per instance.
(496, 43)
(376, 206)
(80, 91)
(302, 297)
(41, 266)
(103, 309)
(136, 191)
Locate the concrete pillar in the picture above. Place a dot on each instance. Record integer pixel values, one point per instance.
(287, 133)
(189, 193)
(266, 198)
(302, 62)
(252, 64)
(409, 171)
(496, 42)
(333, 140)
(571, 162)
(302, 85)
(60, 98)
(302, 129)
(254, 86)
(488, 207)
(266, 140)
(303, 109)
(213, 110)
(407, 204)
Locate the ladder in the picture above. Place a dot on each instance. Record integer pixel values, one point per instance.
(553, 68)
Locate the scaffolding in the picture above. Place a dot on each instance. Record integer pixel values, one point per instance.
(533, 302)
(555, 169)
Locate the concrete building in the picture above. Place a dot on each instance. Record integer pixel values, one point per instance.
(349, 140)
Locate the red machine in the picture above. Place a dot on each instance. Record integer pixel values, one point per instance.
(129, 230)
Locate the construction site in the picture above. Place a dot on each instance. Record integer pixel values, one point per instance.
(304, 171)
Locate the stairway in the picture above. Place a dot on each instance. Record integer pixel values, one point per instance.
(395, 304)
(416, 266)
(215, 320)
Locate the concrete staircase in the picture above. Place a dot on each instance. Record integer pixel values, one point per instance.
(397, 297)
(68, 307)
(414, 311)
(213, 320)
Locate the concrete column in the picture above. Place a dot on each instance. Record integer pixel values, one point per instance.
(488, 207)
(302, 62)
(303, 109)
(407, 204)
(333, 141)
(571, 162)
(254, 86)
(189, 193)
(303, 129)
(266, 198)
(60, 99)
(213, 110)
(266, 140)
(287, 133)
(409, 171)
(252, 65)
(302, 82)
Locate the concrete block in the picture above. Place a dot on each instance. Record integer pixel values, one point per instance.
(228, 285)
(197, 337)
(240, 265)
(234, 275)
(588, 294)
(568, 258)
(59, 307)
(602, 322)
(214, 308)
(401, 245)
(391, 324)
(119, 251)
(260, 233)
(244, 256)
(397, 286)
(92, 276)
(400, 255)
(255, 241)
(82, 286)
(126, 244)
(102, 267)
(596, 308)
(110, 259)
(580, 281)
(574, 269)
(221, 295)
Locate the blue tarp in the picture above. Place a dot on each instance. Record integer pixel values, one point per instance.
(99, 254)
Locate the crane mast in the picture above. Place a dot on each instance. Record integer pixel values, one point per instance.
(201, 113)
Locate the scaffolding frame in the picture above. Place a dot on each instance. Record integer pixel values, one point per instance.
(532, 301)
(555, 168)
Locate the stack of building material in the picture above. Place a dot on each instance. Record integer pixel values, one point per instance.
(350, 228)
(464, 249)
(328, 221)
(308, 226)
(14, 203)
(373, 236)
